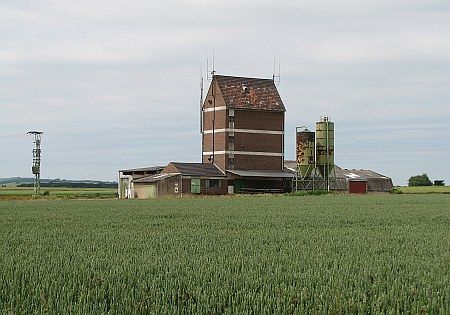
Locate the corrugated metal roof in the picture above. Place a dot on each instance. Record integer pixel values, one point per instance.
(267, 174)
(198, 169)
(357, 174)
(342, 172)
(153, 178)
(144, 169)
(249, 93)
(375, 181)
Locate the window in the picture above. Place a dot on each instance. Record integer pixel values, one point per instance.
(213, 183)
(230, 163)
(231, 143)
(231, 122)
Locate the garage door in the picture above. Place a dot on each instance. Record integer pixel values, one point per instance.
(357, 187)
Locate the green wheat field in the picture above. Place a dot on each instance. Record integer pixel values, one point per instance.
(242, 254)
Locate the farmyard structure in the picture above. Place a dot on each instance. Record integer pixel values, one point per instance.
(243, 128)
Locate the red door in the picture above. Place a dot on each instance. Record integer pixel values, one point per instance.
(357, 187)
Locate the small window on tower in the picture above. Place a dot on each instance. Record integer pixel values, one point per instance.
(231, 143)
(231, 122)
(230, 163)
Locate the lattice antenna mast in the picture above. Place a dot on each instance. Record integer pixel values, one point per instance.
(210, 73)
(201, 101)
(276, 77)
(210, 77)
(36, 168)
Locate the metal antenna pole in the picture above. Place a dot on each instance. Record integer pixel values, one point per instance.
(214, 118)
(273, 71)
(201, 101)
(276, 78)
(213, 73)
(36, 168)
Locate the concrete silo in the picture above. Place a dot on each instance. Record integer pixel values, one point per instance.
(305, 151)
(325, 148)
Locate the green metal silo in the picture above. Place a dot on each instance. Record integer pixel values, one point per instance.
(325, 146)
(305, 141)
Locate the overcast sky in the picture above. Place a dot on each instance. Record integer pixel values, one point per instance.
(115, 84)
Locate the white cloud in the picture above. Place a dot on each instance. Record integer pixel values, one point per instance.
(130, 69)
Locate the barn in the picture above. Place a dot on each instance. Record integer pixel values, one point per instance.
(177, 179)
(353, 181)
(126, 178)
(242, 130)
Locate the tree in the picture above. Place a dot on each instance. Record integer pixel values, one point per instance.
(420, 180)
(439, 182)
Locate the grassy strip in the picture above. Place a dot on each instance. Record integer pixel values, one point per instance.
(49, 193)
(424, 190)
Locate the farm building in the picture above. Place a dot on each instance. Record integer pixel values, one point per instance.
(352, 181)
(182, 178)
(243, 129)
(126, 179)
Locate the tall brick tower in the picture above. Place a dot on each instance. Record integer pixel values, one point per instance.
(243, 124)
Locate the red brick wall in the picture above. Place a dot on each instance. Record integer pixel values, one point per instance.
(220, 122)
(209, 99)
(169, 169)
(219, 142)
(252, 162)
(259, 120)
(203, 190)
(254, 142)
(222, 190)
(166, 187)
(186, 185)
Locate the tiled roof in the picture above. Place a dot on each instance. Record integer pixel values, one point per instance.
(198, 169)
(249, 93)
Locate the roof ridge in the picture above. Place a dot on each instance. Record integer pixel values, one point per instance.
(242, 77)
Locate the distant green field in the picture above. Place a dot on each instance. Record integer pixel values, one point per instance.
(425, 190)
(57, 192)
(234, 255)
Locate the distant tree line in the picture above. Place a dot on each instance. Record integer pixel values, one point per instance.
(423, 180)
(73, 185)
